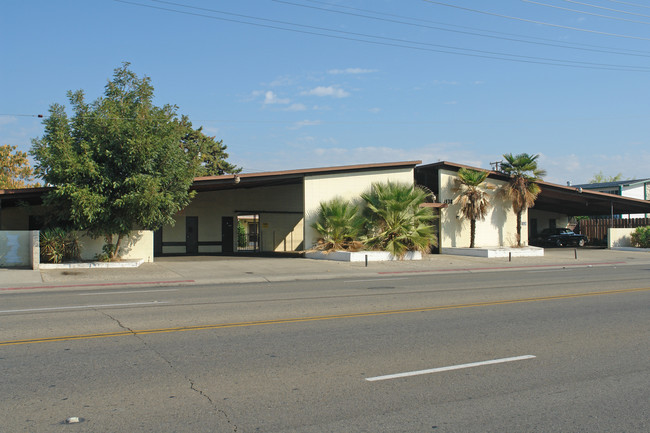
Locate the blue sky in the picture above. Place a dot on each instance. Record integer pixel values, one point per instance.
(312, 83)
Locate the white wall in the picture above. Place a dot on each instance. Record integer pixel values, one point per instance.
(617, 238)
(635, 191)
(19, 248)
(348, 186)
(139, 245)
(498, 229)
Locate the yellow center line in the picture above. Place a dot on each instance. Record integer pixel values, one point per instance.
(315, 318)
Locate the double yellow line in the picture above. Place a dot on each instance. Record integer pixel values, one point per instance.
(314, 318)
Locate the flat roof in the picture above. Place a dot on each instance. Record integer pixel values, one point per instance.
(611, 184)
(570, 200)
(234, 181)
(285, 177)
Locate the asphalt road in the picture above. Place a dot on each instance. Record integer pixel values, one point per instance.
(568, 351)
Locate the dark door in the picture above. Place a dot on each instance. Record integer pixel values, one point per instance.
(227, 234)
(191, 235)
(157, 242)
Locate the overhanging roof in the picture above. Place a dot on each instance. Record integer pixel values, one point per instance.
(576, 201)
(13, 197)
(229, 181)
(287, 177)
(570, 200)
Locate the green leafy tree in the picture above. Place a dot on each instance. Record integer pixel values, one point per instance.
(396, 220)
(210, 153)
(15, 170)
(119, 163)
(522, 190)
(472, 197)
(601, 178)
(339, 225)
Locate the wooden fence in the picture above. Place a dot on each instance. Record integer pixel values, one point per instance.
(596, 229)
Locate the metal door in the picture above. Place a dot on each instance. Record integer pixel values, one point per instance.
(191, 235)
(227, 234)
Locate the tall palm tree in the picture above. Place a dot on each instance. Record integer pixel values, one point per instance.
(339, 224)
(522, 190)
(473, 199)
(396, 221)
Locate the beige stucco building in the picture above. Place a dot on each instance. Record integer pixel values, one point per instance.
(280, 206)
(276, 209)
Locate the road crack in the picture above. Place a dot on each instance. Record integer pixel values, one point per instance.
(193, 386)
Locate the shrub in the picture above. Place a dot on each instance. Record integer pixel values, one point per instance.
(641, 237)
(241, 235)
(396, 221)
(58, 245)
(339, 225)
(52, 243)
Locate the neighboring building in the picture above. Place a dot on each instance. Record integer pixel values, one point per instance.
(278, 208)
(639, 189)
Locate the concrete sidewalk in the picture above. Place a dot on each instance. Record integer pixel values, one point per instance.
(222, 269)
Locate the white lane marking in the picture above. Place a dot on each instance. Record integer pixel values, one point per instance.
(375, 279)
(81, 306)
(449, 368)
(127, 292)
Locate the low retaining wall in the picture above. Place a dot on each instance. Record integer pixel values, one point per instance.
(619, 238)
(360, 256)
(139, 245)
(495, 252)
(19, 249)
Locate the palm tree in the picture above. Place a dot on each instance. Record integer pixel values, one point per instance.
(396, 221)
(473, 200)
(522, 189)
(339, 224)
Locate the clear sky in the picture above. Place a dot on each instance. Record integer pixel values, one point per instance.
(306, 83)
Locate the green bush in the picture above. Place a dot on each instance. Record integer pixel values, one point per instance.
(395, 220)
(641, 237)
(58, 245)
(339, 225)
(242, 242)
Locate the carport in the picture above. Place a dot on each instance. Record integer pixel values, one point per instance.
(575, 201)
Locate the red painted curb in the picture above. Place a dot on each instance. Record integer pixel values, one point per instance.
(97, 285)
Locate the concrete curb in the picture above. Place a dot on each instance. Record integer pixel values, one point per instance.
(92, 265)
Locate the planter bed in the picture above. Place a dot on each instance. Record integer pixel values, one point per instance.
(360, 256)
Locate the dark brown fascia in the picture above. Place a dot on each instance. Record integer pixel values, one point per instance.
(455, 167)
(300, 173)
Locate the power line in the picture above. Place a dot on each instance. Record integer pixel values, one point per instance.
(532, 38)
(538, 22)
(588, 13)
(394, 42)
(40, 116)
(456, 31)
(609, 9)
(378, 121)
(630, 4)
